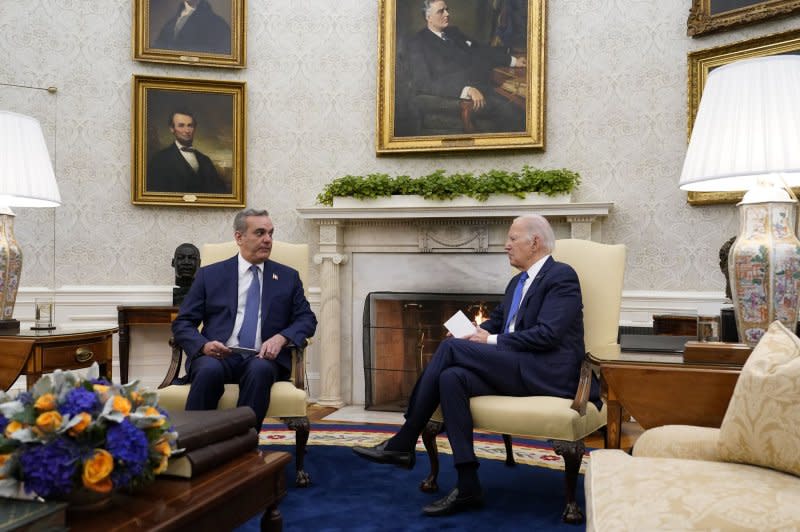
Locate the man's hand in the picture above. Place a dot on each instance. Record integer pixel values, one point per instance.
(481, 336)
(521, 62)
(478, 101)
(216, 349)
(272, 347)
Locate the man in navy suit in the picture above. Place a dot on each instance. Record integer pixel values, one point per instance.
(532, 344)
(445, 62)
(180, 167)
(220, 300)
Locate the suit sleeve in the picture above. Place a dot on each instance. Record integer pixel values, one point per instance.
(190, 316)
(560, 308)
(303, 322)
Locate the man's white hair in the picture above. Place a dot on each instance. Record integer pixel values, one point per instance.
(537, 225)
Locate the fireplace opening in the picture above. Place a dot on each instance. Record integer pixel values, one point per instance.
(401, 332)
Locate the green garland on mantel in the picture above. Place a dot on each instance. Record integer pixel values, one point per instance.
(441, 186)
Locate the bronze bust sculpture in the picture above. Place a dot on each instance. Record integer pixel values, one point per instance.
(185, 261)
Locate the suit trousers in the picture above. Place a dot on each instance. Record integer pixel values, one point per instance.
(255, 377)
(461, 369)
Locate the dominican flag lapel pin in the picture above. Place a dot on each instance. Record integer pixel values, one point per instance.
(274, 276)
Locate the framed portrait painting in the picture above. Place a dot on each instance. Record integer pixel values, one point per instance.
(190, 32)
(188, 142)
(702, 62)
(460, 75)
(708, 16)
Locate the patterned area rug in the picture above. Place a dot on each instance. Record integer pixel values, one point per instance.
(487, 446)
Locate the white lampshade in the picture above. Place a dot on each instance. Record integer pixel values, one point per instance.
(26, 173)
(747, 126)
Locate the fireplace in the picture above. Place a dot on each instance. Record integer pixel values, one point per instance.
(401, 331)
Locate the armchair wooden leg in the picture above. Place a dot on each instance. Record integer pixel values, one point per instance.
(430, 485)
(509, 450)
(572, 452)
(301, 429)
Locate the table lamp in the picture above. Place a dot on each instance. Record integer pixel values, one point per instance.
(747, 137)
(26, 180)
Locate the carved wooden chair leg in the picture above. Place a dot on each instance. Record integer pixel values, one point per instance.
(572, 452)
(301, 429)
(509, 450)
(430, 485)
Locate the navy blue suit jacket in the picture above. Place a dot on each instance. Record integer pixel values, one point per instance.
(548, 329)
(212, 301)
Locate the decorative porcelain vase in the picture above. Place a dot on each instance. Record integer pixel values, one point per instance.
(764, 267)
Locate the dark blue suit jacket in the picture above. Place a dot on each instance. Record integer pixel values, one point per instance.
(212, 301)
(548, 329)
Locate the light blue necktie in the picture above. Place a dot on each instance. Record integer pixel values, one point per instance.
(247, 334)
(515, 301)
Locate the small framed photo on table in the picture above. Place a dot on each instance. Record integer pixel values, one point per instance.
(188, 142)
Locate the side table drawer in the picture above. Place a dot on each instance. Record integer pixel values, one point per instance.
(74, 355)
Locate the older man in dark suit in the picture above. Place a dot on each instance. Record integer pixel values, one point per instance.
(195, 28)
(250, 308)
(180, 167)
(445, 62)
(532, 344)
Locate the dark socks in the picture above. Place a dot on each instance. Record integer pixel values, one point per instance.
(468, 483)
(404, 440)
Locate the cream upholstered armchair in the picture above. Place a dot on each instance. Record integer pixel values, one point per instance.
(563, 422)
(287, 398)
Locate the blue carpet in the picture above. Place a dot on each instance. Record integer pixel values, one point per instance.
(351, 494)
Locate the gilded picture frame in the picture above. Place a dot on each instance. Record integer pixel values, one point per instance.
(707, 16)
(417, 113)
(210, 35)
(702, 62)
(188, 142)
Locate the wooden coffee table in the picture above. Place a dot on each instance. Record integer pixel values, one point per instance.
(221, 499)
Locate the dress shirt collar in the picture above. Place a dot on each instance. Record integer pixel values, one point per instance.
(244, 266)
(535, 268)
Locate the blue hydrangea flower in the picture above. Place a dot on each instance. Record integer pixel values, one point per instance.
(48, 469)
(129, 447)
(26, 398)
(3, 423)
(79, 400)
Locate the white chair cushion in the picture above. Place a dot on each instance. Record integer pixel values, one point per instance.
(285, 399)
(540, 417)
(762, 423)
(626, 493)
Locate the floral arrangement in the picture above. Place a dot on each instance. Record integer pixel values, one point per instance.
(70, 432)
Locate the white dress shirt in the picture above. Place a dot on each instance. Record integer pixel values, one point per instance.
(245, 278)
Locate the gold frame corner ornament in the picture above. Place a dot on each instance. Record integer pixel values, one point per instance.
(702, 20)
(387, 142)
(145, 91)
(701, 62)
(142, 51)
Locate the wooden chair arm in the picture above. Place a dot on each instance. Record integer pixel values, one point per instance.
(584, 385)
(174, 365)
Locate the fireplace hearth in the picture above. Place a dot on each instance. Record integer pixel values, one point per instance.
(401, 332)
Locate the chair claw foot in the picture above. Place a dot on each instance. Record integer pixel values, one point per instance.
(303, 479)
(572, 514)
(429, 485)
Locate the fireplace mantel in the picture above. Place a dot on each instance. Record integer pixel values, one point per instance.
(439, 228)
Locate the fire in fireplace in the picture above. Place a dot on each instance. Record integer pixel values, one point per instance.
(401, 332)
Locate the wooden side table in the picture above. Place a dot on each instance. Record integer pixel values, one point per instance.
(128, 315)
(659, 389)
(33, 353)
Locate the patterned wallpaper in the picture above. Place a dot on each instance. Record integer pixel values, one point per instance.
(616, 112)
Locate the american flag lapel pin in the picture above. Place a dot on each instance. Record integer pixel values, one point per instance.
(274, 276)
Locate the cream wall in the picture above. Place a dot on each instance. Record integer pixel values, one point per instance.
(616, 112)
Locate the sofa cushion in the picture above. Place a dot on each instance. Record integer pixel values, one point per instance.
(678, 441)
(762, 423)
(625, 493)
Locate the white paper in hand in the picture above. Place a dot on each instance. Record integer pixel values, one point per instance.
(459, 325)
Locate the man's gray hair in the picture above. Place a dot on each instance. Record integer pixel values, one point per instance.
(426, 5)
(537, 225)
(240, 221)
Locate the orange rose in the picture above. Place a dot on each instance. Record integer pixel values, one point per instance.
(3, 459)
(162, 447)
(97, 471)
(150, 411)
(101, 390)
(48, 421)
(162, 465)
(45, 402)
(12, 427)
(121, 405)
(86, 419)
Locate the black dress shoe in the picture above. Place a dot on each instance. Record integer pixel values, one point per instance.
(379, 454)
(453, 503)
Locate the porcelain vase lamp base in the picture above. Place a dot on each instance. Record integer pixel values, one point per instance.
(764, 266)
(10, 271)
